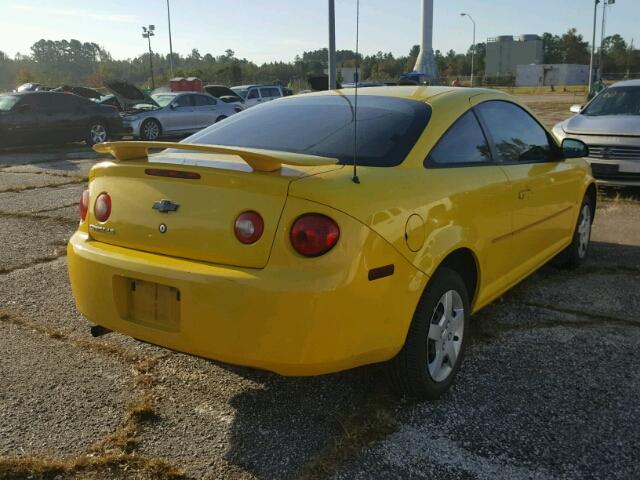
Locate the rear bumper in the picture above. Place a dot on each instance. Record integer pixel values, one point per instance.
(283, 318)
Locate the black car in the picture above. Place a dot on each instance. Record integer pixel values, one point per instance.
(34, 118)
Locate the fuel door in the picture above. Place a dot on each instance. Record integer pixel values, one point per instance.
(414, 232)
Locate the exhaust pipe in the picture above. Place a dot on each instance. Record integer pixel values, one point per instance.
(99, 330)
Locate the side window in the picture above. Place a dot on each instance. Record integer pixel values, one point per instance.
(515, 134)
(203, 100)
(265, 93)
(275, 92)
(32, 103)
(59, 102)
(184, 101)
(253, 93)
(463, 143)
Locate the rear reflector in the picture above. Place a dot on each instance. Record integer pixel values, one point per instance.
(102, 207)
(160, 172)
(249, 227)
(84, 205)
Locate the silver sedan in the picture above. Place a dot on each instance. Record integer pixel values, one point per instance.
(176, 114)
(610, 126)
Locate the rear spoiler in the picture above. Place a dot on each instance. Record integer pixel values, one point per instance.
(259, 159)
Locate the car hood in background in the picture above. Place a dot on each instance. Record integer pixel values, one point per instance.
(129, 95)
(220, 91)
(615, 125)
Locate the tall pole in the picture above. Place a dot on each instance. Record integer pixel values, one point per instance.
(170, 44)
(593, 44)
(332, 73)
(153, 81)
(604, 16)
(473, 45)
(147, 32)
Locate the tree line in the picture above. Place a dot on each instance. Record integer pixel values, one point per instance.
(71, 62)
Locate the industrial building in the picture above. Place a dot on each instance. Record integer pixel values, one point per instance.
(505, 53)
(551, 74)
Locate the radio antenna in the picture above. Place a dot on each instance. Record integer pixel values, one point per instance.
(355, 178)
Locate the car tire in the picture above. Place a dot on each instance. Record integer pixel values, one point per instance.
(576, 253)
(220, 118)
(150, 129)
(424, 368)
(97, 132)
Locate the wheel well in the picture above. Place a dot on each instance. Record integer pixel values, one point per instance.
(592, 195)
(221, 117)
(463, 262)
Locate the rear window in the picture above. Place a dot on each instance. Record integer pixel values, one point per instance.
(323, 125)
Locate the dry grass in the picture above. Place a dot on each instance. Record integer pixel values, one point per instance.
(368, 421)
(112, 466)
(114, 455)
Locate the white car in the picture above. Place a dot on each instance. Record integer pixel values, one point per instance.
(256, 94)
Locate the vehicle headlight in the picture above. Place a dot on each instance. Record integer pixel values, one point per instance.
(558, 132)
(132, 118)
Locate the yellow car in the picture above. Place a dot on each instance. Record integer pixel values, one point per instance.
(257, 242)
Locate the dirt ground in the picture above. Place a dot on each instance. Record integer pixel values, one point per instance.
(549, 388)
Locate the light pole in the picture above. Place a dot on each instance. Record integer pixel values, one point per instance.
(331, 61)
(604, 20)
(593, 44)
(473, 46)
(147, 32)
(170, 44)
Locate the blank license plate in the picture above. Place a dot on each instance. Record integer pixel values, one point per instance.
(153, 305)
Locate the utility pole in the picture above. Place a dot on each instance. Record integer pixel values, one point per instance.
(473, 45)
(593, 44)
(147, 32)
(331, 70)
(170, 44)
(602, 29)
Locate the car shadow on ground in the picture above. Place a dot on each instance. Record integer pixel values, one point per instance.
(305, 427)
(313, 427)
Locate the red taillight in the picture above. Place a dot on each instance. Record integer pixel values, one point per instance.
(102, 207)
(249, 227)
(314, 234)
(84, 205)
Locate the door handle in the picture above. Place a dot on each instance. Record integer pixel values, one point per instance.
(522, 194)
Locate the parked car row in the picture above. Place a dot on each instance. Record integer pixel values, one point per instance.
(33, 114)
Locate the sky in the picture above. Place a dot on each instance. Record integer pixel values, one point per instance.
(277, 30)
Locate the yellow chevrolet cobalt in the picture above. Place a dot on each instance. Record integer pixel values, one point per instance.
(256, 242)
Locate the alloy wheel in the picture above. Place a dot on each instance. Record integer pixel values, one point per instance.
(151, 130)
(584, 231)
(444, 340)
(98, 133)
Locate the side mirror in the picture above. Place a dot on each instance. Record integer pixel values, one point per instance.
(572, 148)
(172, 106)
(575, 108)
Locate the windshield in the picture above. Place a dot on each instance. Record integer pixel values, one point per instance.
(7, 102)
(615, 101)
(241, 92)
(163, 100)
(323, 125)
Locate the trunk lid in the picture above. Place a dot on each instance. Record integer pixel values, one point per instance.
(202, 227)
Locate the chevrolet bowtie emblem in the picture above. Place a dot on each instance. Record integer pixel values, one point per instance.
(165, 206)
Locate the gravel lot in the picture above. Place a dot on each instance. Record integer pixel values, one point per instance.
(549, 388)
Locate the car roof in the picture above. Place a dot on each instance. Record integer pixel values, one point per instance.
(626, 83)
(244, 87)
